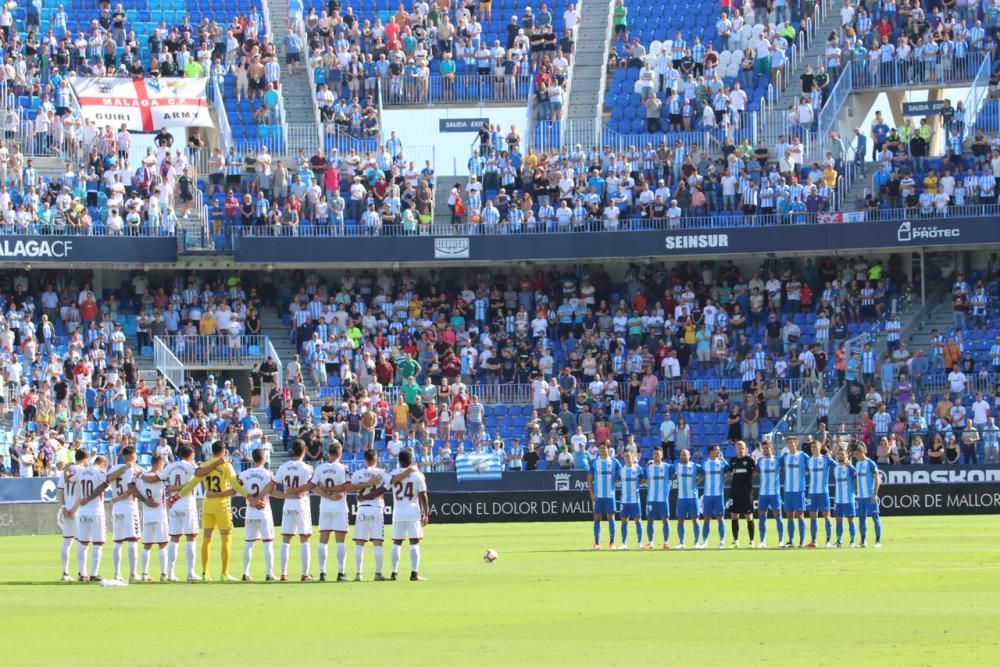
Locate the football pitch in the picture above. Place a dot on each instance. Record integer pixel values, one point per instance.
(930, 596)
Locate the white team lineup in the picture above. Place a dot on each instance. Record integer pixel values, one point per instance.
(158, 508)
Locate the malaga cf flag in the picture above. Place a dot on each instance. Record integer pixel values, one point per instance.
(143, 105)
(478, 465)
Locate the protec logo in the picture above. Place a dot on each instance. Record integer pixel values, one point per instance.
(907, 232)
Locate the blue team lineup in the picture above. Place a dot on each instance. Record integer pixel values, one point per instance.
(789, 487)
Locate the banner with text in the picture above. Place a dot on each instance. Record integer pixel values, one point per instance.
(141, 104)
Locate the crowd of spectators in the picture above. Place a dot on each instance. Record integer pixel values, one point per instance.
(579, 188)
(435, 52)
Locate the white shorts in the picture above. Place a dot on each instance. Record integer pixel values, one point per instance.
(296, 521)
(125, 525)
(370, 524)
(154, 532)
(260, 528)
(335, 521)
(407, 530)
(91, 528)
(182, 522)
(69, 528)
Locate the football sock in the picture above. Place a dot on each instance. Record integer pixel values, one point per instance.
(781, 529)
(802, 530)
(227, 552)
(95, 564)
(666, 532)
(611, 529)
(81, 558)
(341, 557)
(840, 531)
(190, 557)
(736, 529)
(145, 561)
(694, 527)
(415, 557)
(284, 558)
(116, 559)
(171, 557)
(247, 556)
(680, 533)
(638, 533)
(864, 529)
(305, 552)
(269, 557)
(323, 552)
(396, 550)
(378, 559)
(750, 529)
(706, 526)
(163, 560)
(649, 530)
(878, 528)
(791, 530)
(828, 524)
(813, 528)
(67, 545)
(597, 532)
(624, 532)
(206, 545)
(133, 554)
(359, 557)
(722, 530)
(852, 530)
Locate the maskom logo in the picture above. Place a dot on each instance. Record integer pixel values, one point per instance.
(907, 232)
(939, 476)
(452, 247)
(696, 241)
(35, 249)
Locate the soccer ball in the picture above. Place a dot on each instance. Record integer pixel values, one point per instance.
(490, 556)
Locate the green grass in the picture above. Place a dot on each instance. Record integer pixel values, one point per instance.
(930, 597)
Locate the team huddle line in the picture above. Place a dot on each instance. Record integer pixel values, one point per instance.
(784, 482)
(169, 511)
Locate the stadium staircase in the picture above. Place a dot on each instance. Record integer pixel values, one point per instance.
(296, 92)
(592, 43)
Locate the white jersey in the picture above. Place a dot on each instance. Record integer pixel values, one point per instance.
(90, 479)
(70, 484)
(293, 474)
(406, 493)
(179, 473)
(371, 478)
(328, 475)
(256, 480)
(157, 492)
(120, 485)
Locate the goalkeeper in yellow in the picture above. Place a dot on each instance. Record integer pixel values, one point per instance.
(220, 484)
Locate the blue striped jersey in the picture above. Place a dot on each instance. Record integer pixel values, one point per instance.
(843, 477)
(658, 480)
(629, 476)
(769, 470)
(687, 480)
(819, 473)
(793, 466)
(867, 473)
(715, 481)
(605, 474)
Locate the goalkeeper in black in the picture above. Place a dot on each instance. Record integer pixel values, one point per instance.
(742, 467)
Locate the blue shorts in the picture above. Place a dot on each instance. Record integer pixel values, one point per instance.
(687, 508)
(657, 511)
(819, 502)
(794, 501)
(713, 505)
(604, 506)
(841, 510)
(631, 511)
(865, 507)
(768, 503)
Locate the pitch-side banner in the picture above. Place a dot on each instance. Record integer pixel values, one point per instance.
(143, 105)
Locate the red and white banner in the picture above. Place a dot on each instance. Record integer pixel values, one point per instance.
(850, 216)
(143, 105)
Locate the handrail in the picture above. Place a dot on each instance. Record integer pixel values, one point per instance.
(167, 363)
(225, 131)
(269, 351)
(311, 76)
(216, 350)
(718, 221)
